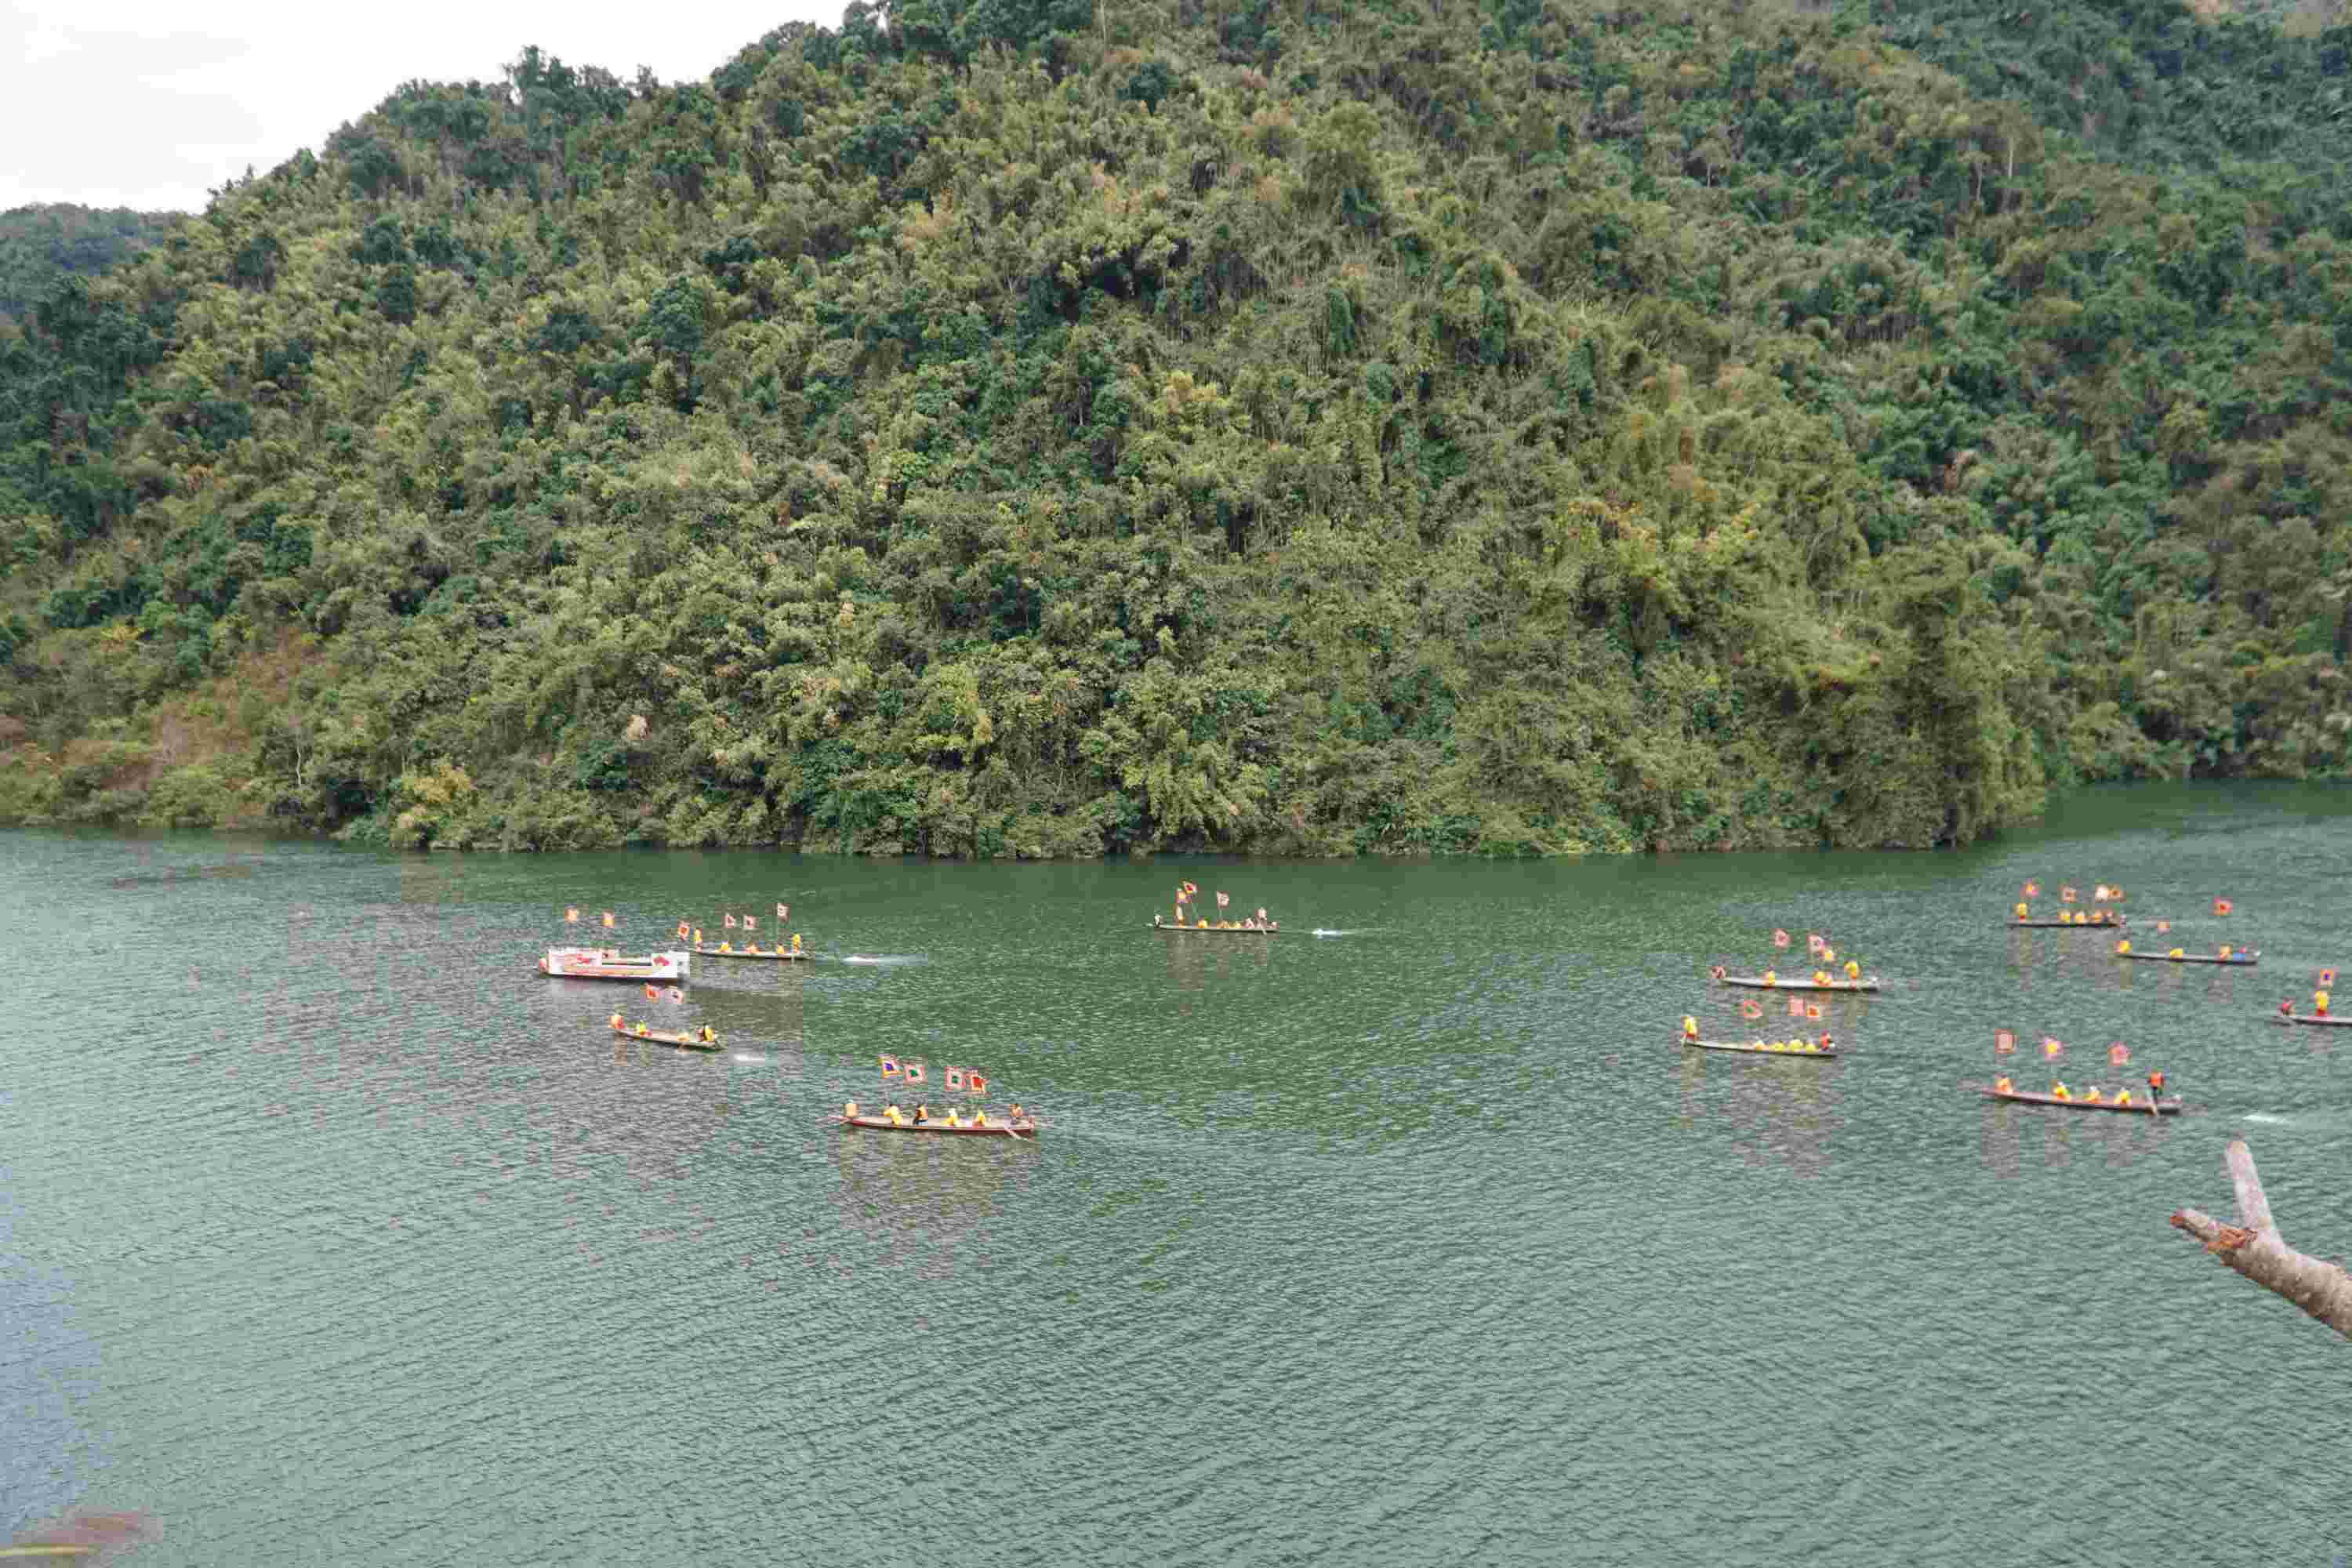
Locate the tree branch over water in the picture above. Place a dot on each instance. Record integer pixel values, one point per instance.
(2255, 1249)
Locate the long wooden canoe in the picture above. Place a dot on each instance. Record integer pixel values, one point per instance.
(2235, 961)
(679, 1037)
(1158, 924)
(2069, 925)
(1758, 982)
(2324, 1021)
(588, 963)
(787, 955)
(964, 1129)
(1755, 1047)
(2136, 1108)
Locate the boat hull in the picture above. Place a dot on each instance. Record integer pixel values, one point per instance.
(2313, 1019)
(992, 1129)
(665, 1037)
(583, 963)
(786, 957)
(1758, 982)
(2067, 925)
(2235, 961)
(2136, 1108)
(1215, 931)
(1755, 1050)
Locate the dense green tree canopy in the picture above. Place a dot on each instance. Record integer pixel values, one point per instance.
(1012, 428)
(42, 245)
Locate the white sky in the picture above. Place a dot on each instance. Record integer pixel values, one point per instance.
(135, 103)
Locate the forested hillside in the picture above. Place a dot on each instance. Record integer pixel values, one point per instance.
(40, 246)
(1013, 428)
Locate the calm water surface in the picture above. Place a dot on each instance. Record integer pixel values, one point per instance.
(331, 1232)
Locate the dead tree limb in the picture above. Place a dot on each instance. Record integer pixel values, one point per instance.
(2254, 1249)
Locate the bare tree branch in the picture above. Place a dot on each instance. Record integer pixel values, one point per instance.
(2255, 1249)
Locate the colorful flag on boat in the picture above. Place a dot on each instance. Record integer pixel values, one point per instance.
(674, 994)
(730, 922)
(2065, 895)
(2221, 905)
(1813, 942)
(2003, 1042)
(2162, 926)
(1780, 939)
(2032, 890)
(2052, 1048)
(1812, 1009)
(974, 1082)
(914, 1072)
(2118, 1053)
(682, 931)
(572, 916)
(955, 1080)
(890, 1066)
(751, 922)
(783, 911)
(1223, 901)
(1752, 1009)
(1796, 1007)
(653, 993)
(2328, 977)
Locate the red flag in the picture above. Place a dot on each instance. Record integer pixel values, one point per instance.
(682, 931)
(1796, 1007)
(751, 922)
(2118, 1053)
(2220, 906)
(730, 922)
(2052, 1048)
(974, 1082)
(653, 994)
(1780, 939)
(1812, 1009)
(2003, 1042)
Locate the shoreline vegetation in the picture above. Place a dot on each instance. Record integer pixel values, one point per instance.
(1276, 426)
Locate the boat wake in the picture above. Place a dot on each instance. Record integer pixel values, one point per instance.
(882, 958)
(2270, 1120)
(744, 1057)
(1319, 931)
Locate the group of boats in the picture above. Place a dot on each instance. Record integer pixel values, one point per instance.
(654, 969)
(1827, 976)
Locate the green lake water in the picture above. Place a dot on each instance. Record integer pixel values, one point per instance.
(331, 1232)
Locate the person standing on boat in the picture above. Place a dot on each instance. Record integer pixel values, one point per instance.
(2155, 1087)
